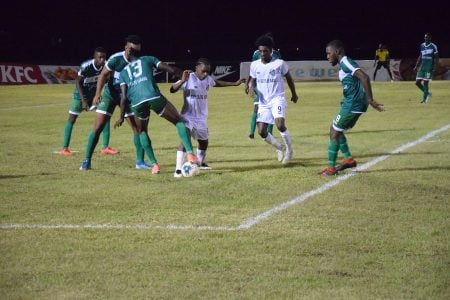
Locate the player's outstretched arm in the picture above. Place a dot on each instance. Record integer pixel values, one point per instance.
(221, 83)
(177, 85)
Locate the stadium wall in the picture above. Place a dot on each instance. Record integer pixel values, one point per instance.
(14, 74)
(321, 70)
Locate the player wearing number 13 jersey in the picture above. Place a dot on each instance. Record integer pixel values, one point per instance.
(141, 93)
(267, 74)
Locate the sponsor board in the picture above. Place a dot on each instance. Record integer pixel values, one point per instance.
(36, 74)
(402, 69)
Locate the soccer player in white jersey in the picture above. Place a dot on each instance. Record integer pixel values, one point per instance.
(268, 73)
(195, 86)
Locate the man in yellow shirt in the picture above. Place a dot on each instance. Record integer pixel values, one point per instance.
(382, 60)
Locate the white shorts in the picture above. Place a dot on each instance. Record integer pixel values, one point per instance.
(268, 113)
(197, 128)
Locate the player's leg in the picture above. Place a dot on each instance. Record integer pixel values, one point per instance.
(104, 112)
(145, 141)
(105, 140)
(100, 122)
(181, 153)
(376, 70)
(75, 110)
(426, 88)
(165, 109)
(265, 117)
(251, 134)
(388, 69)
(279, 113)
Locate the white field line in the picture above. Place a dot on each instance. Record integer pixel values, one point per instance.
(34, 106)
(247, 224)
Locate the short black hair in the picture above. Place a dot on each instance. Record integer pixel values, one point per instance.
(336, 44)
(202, 61)
(133, 38)
(100, 49)
(265, 40)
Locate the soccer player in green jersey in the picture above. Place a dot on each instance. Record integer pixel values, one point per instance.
(428, 62)
(85, 86)
(107, 97)
(357, 97)
(257, 56)
(141, 93)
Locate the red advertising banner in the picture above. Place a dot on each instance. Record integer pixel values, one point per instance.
(36, 74)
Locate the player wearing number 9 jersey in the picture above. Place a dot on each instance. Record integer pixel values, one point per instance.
(267, 73)
(141, 93)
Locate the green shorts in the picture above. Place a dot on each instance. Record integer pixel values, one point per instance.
(108, 104)
(76, 106)
(345, 121)
(142, 110)
(424, 74)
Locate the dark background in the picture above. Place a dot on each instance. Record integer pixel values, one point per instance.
(66, 32)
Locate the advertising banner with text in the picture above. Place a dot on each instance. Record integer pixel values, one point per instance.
(321, 70)
(36, 74)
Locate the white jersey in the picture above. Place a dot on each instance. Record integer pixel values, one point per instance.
(269, 79)
(195, 94)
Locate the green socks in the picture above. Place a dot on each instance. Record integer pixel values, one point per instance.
(138, 147)
(333, 148)
(67, 134)
(343, 146)
(105, 133)
(147, 146)
(253, 123)
(185, 139)
(92, 142)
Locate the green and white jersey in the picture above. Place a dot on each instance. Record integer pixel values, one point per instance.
(90, 74)
(275, 54)
(116, 63)
(138, 76)
(354, 97)
(427, 54)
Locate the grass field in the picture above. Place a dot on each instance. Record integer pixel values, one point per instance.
(230, 233)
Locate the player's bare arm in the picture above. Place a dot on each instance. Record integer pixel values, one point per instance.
(221, 83)
(251, 86)
(78, 84)
(291, 85)
(102, 79)
(123, 105)
(365, 81)
(184, 77)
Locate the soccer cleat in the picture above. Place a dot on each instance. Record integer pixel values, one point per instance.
(109, 151)
(85, 165)
(287, 157)
(328, 171)
(251, 136)
(178, 174)
(65, 151)
(156, 169)
(192, 158)
(279, 154)
(204, 166)
(140, 165)
(427, 99)
(346, 163)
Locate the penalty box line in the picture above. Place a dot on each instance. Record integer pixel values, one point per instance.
(248, 223)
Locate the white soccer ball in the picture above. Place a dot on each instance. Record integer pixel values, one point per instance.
(189, 169)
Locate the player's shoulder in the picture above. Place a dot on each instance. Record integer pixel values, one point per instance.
(85, 64)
